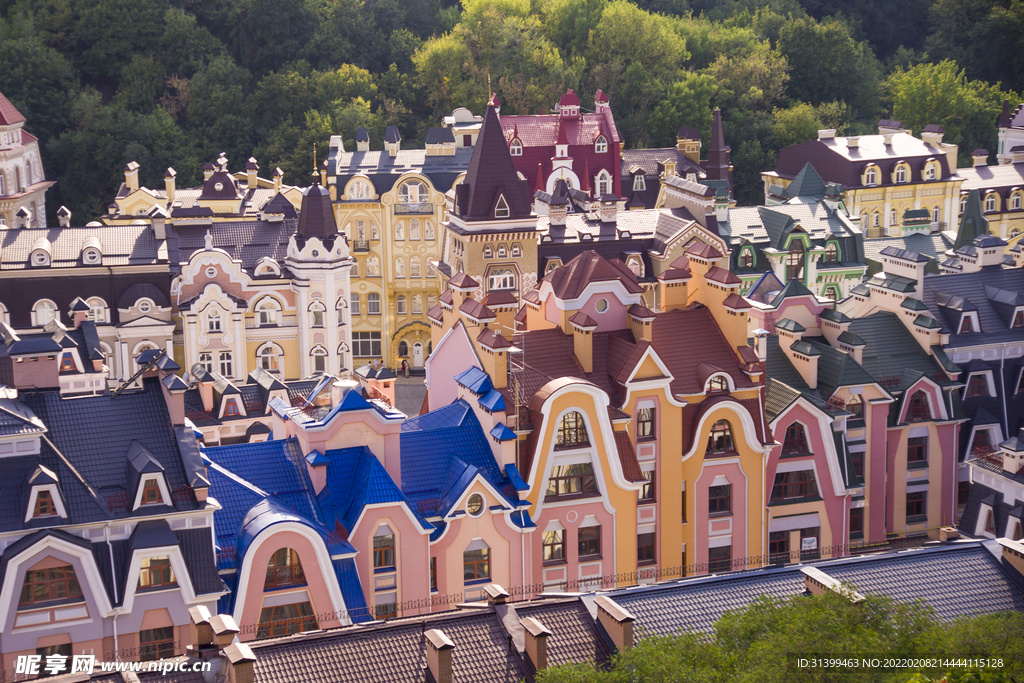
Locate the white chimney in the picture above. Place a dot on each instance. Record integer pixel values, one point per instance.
(853, 141)
(827, 134)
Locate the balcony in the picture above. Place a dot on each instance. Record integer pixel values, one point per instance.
(287, 575)
(285, 321)
(414, 208)
(360, 245)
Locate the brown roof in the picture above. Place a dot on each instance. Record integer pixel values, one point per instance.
(463, 281)
(500, 299)
(493, 340)
(676, 274)
(436, 313)
(447, 297)
(727, 277)
(533, 296)
(581, 319)
(476, 310)
(574, 637)
(9, 115)
(491, 173)
(736, 302)
(705, 251)
(686, 338)
(642, 312)
(627, 456)
(316, 216)
(569, 281)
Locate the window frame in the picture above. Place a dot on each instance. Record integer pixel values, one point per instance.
(919, 408)
(38, 577)
(553, 547)
(383, 551)
(577, 480)
(720, 564)
(920, 504)
(645, 423)
(720, 500)
(723, 430)
(794, 485)
(156, 575)
(795, 440)
(284, 575)
(475, 559)
(572, 431)
(588, 540)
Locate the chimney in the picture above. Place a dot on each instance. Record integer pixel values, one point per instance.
(1013, 553)
(536, 642)
(278, 179)
(888, 139)
(672, 285)
(251, 179)
(761, 344)
(23, 218)
(853, 142)
(392, 140)
(641, 321)
(159, 217)
(131, 176)
(79, 312)
(316, 467)
(1016, 154)
(205, 382)
(827, 134)
(440, 649)
(201, 637)
(583, 327)
(340, 389)
(817, 582)
(224, 629)
(208, 169)
(222, 163)
(1013, 453)
(616, 622)
(241, 663)
(494, 356)
(496, 595)
(362, 140)
(801, 354)
(64, 216)
(169, 184)
(932, 135)
(980, 157)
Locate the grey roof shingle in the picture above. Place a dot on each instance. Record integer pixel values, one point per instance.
(122, 245)
(995, 327)
(574, 638)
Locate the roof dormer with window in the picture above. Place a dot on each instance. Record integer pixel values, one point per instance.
(44, 501)
(147, 482)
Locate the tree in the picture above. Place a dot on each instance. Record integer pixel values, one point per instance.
(981, 36)
(272, 33)
(40, 82)
(218, 112)
(110, 32)
(687, 103)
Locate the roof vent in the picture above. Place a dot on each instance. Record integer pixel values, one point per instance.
(853, 141)
(827, 134)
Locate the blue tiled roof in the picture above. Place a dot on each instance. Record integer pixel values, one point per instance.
(493, 401)
(521, 518)
(271, 511)
(502, 432)
(355, 479)
(474, 379)
(235, 500)
(432, 441)
(352, 591)
(512, 472)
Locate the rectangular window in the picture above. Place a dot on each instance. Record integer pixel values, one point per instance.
(645, 548)
(572, 480)
(977, 385)
(857, 463)
(373, 304)
(589, 541)
(62, 655)
(917, 504)
(366, 344)
(856, 522)
(684, 505)
(647, 492)
(799, 484)
(226, 366)
(44, 505)
(151, 492)
(778, 546)
(355, 304)
(810, 543)
(43, 585)
(720, 559)
(720, 500)
(645, 424)
(554, 545)
(67, 363)
(231, 409)
(284, 620)
(963, 492)
(156, 571)
(156, 643)
(384, 551)
(476, 564)
(917, 449)
(433, 573)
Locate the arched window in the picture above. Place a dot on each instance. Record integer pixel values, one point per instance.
(399, 267)
(831, 252)
(43, 312)
(990, 202)
(213, 321)
(746, 257)
(516, 148)
(414, 229)
(601, 144)
(501, 278)
(403, 349)
(796, 440)
(359, 189)
(270, 357)
(720, 439)
(431, 301)
(28, 174)
(876, 220)
(267, 312)
(317, 312)
(383, 548)
(572, 432)
(604, 183)
(428, 230)
(108, 357)
(319, 356)
(417, 304)
(284, 569)
(892, 217)
(502, 251)
(206, 360)
(1014, 200)
(373, 303)
(399, 231)
(831, 292)
(717, 383)
(372, 266)
(517, 250)
(227, 366)
(412, 192)
(339, 308)
(2, 192)
(929, 173)
(476, 562)
(97, 309)
(871, 177)
(918, 408)
(795, 261)
(400, 304)
(415, 267)
(488, 251)
(935, 214)
(901, 174)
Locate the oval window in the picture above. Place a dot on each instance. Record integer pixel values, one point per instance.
(211, 272)
(475, 506)
(602, 305)
(218, 186)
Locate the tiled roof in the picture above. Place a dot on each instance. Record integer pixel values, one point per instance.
(122, 245)
(574, 637)
(767, 224)
(245, 240)
(355, 479)
(995, 324)
(16, 418)
(570, 281)
(932, 246)
(384, 170)
(891, 349)
(491, 173)
(9, 115)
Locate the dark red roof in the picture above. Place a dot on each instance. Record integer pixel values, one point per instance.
(676, 274)
(627, 457)
(569, 99)
(581, 319)
(9, 115)
(726, 277)
(476, 310)
(447, 297)
(705, 251)
(569, 281)
(493, 340)
(500, 299)
(642, 312)
(463, 281)
(736, 302)
(684, 339)
(599, 96)
(228, 188)
(491, 174)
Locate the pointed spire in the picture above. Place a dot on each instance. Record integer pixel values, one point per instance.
(316, 216)
(718, 165)
(491, 172)
(972, 222)
(563, 139)
(540, 177)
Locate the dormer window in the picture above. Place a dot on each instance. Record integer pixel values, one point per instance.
(929, 173)
(871, 176)
(901, 174)
(213, 321)
(501, 209)
(516, 148)
(604, 183)
(963, 203)
(717, 383)
(796, 440)
(43, 312)
(97, 309)
(1018, 318)
(67, 362)
(45, 585)
(1015, 201)
(990, 202)
(230, 407)
(267, 311)
(967, 324)
(919, 408)
(639, 184)
(155, 572)
(151, 494)
(91, 257)
(40, 258)
(601, 145)
(977, 385)
(746, 258)
(45, 506)
(831, 253)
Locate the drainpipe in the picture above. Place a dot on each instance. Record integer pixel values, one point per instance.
(522, 551)
(113, 580)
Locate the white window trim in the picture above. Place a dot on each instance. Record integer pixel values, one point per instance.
(58, 502)
(989, 382)
(720, 541)
(238, 402)
(589, 521)
(165, 493)
(979, 528)
(728, 381)
(796, 522)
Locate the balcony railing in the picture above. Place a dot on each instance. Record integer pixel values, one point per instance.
(286, 321)
(288, 575)
(414, 208)
(360, 245)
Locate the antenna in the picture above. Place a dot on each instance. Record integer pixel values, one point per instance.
(489, 93)
(314, 174)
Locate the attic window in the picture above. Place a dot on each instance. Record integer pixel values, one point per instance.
(230, 407)
(517, 251)
(966, 324)
(639, 184)
(156, 571)
(831, 253)
(1018, 319)
(977, 385)
(516, 148)
(601, 145)
(990, 203)
(91, 256)
(717, 383)
(40, 258)
(151, 494)
(796, 440)
(501, 209)
(44, 585)
(747, 258)
(45, 507)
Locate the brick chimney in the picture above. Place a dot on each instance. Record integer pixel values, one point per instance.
(801, 354)
(673, 290)
(496, 595)
(817, 582)
(241, 663)
(440, 649)
(494, 350)
(616, 622)
(1013, 453)
(641, 322)
(536, 642)
(131, 176)
(170, 184)
(200, 632)
(224, 629)
(583, 327)
(1013, 553)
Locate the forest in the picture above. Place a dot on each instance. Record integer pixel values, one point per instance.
(173, 83)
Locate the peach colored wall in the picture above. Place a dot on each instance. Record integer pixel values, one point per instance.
(877, 504)
(571, 516)
(257, 558)
(412, 562)
(357, 428)
(156, 618)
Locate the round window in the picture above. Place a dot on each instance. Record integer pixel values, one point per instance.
(40, 257)
(92, 256)
(145, 306)
(211, 272)
(315, 253)
(218, 186)
(475, 506)
(602, 305)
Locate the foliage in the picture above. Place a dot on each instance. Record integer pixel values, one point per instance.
(760, 643)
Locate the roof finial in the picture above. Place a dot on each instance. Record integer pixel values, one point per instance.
(209, 240)
(315, 173)
(489, 93)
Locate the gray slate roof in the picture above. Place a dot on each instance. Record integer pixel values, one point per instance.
(122, 245)
(994, 319)
(384, 170)
(245, 240)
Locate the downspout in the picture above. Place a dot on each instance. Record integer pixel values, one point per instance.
(522, 551)
(764, 467)
(113, 582)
